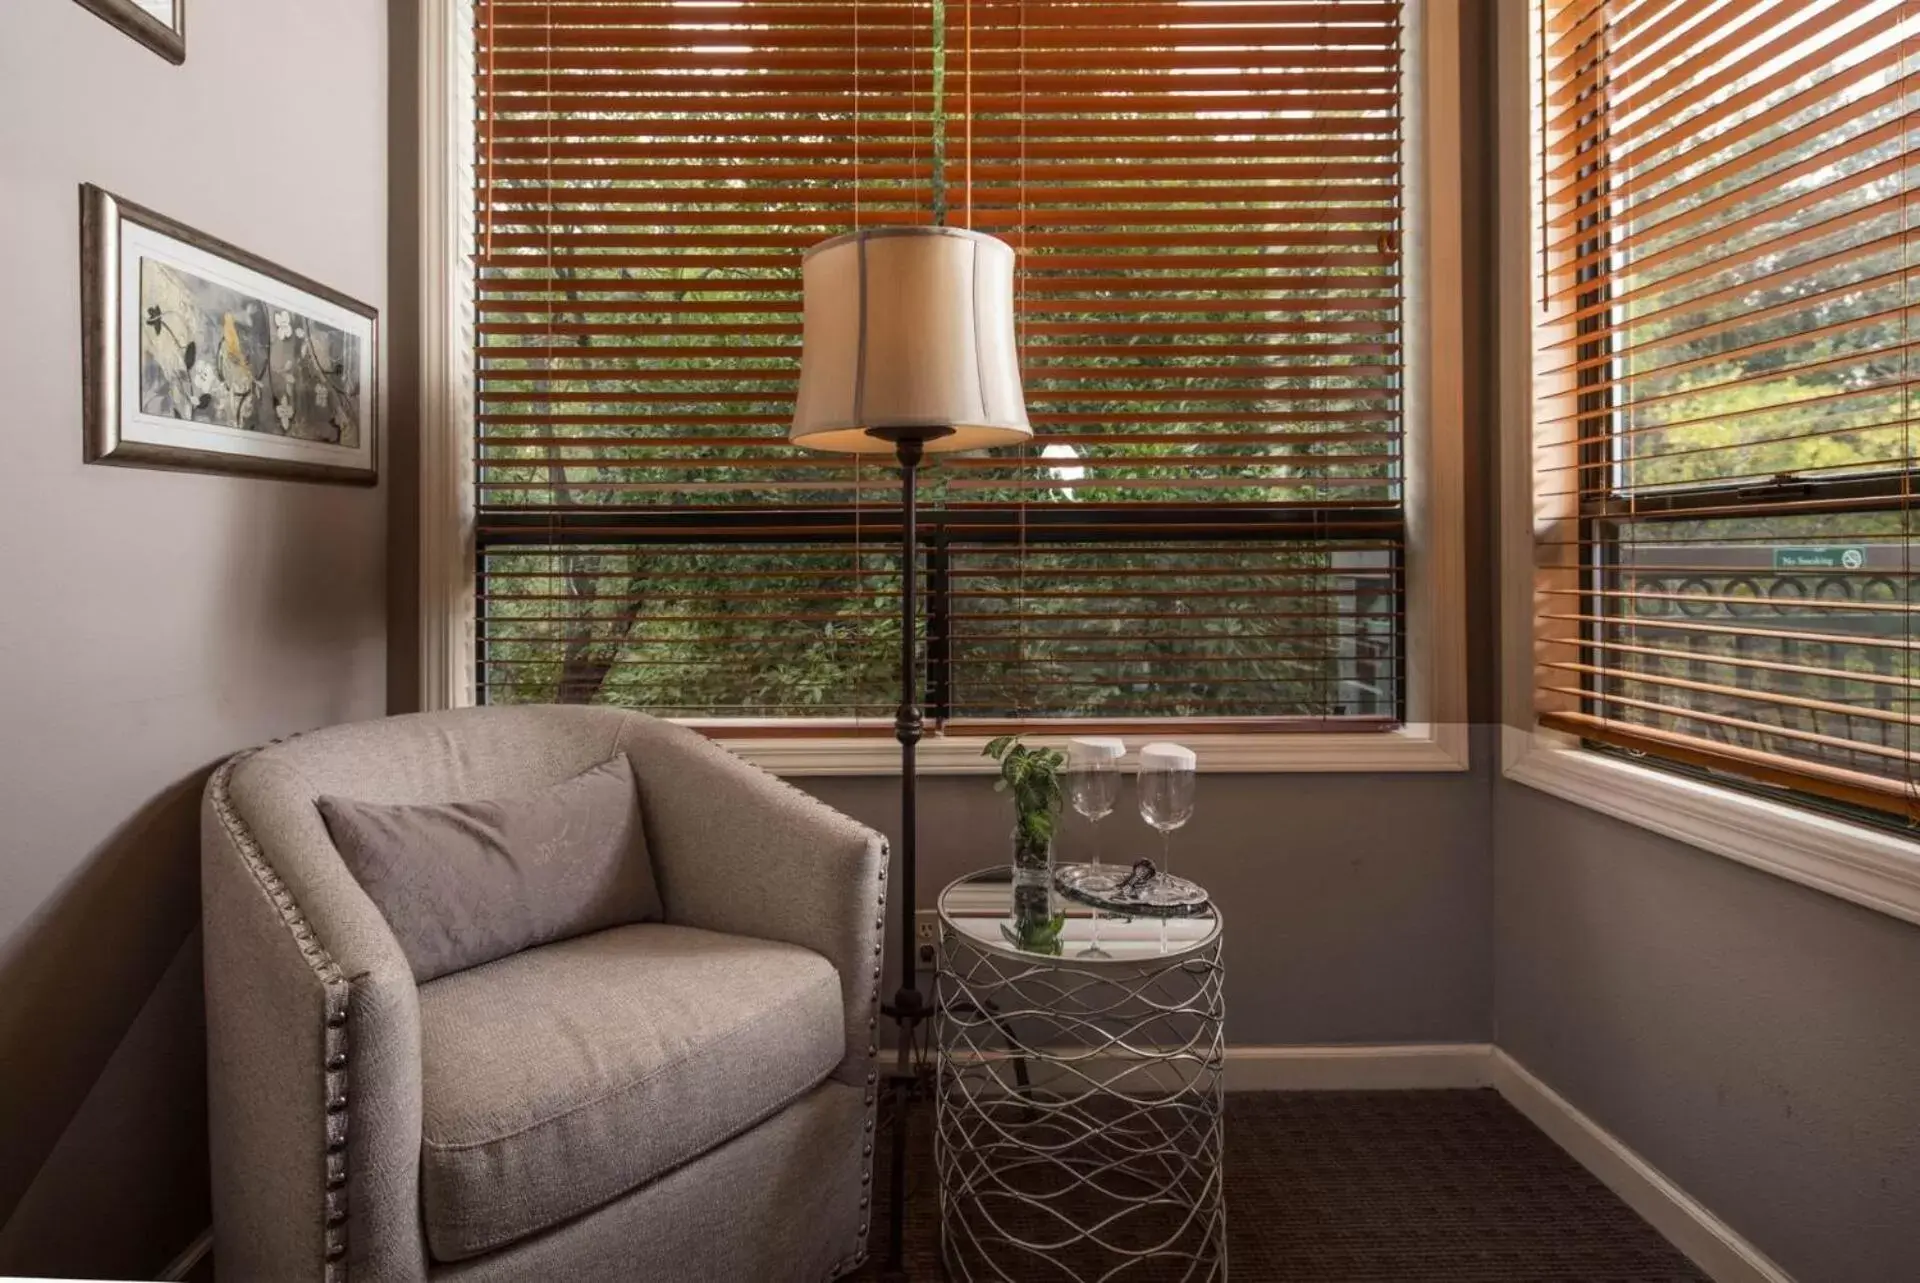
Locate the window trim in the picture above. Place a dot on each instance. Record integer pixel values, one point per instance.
(1435, 736)
(447, 338)
(1853, 861)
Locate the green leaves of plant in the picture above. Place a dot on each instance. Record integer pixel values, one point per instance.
(1033, 775)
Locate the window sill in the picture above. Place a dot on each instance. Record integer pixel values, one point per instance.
(1877, 870)
(1410, 748)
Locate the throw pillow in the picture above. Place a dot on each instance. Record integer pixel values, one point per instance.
(462, 883)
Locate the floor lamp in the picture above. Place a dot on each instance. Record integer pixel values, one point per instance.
(908, 349)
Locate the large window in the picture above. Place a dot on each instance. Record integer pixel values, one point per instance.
(1206, 202)
(1724, 440)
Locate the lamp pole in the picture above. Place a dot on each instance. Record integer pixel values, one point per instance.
(907, 724)
(909, 1006)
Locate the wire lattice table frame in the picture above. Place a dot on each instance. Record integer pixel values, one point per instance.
(1078, 1123)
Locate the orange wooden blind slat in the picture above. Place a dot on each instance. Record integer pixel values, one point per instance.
(1206, 203)
(1724, 435)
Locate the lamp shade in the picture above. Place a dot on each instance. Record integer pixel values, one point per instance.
(908, 332)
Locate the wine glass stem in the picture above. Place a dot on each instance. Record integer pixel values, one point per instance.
(1096, 864)
(1166, 853)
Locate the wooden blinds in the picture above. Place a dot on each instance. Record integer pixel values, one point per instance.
(1725, 434)
(1206, 203)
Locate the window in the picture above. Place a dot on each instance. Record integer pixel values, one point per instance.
(1206, 199)
(1724, 435)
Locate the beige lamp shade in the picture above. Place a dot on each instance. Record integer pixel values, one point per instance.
(908, 332)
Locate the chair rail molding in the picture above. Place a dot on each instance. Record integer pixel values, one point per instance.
(1856, 862)
(1416, 748)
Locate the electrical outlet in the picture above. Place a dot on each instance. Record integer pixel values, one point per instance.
(926, 937)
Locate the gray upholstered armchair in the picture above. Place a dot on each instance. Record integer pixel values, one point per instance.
(690, 1099)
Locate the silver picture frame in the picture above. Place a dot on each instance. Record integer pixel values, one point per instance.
(143, 20)
(290, 386)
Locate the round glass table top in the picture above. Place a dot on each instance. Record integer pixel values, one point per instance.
(979, 908)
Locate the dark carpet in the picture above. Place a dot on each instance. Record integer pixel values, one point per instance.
(1364, 1187)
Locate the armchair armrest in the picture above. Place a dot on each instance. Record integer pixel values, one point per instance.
(737, 850)
(313, 1039)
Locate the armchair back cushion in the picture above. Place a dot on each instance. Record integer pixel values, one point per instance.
(464, 883)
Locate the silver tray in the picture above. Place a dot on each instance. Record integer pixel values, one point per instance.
(1140, 891)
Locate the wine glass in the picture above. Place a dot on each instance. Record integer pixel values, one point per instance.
(1093, 786)
(1166, 798)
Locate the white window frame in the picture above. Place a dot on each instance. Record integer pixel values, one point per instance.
(1435, 735)
(1856, 862)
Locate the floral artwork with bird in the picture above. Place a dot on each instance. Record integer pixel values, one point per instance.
(211, 354)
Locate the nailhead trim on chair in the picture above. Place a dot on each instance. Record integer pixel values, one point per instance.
(849, 1264)
(336, 992)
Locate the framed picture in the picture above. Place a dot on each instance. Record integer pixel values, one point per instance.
(160, 25)
(202, 356)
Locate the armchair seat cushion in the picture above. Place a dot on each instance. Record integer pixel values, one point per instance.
(558, 1079)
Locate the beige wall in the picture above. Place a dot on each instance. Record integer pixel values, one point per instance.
(152, 622)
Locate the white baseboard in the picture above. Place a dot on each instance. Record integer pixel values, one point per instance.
(180, 1266)
(1360, 1067)
(1704, 1238)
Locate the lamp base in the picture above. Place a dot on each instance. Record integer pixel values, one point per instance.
(907, 1083)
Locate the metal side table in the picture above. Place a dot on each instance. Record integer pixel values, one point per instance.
(1077, 1116)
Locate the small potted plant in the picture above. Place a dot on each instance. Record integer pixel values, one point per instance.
(1032, 775)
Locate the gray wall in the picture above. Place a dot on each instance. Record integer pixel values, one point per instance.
(1756, 1041)
(1358, 906)
(155, 621)
(403, 316)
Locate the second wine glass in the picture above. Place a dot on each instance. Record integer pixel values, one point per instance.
(1166, 798)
